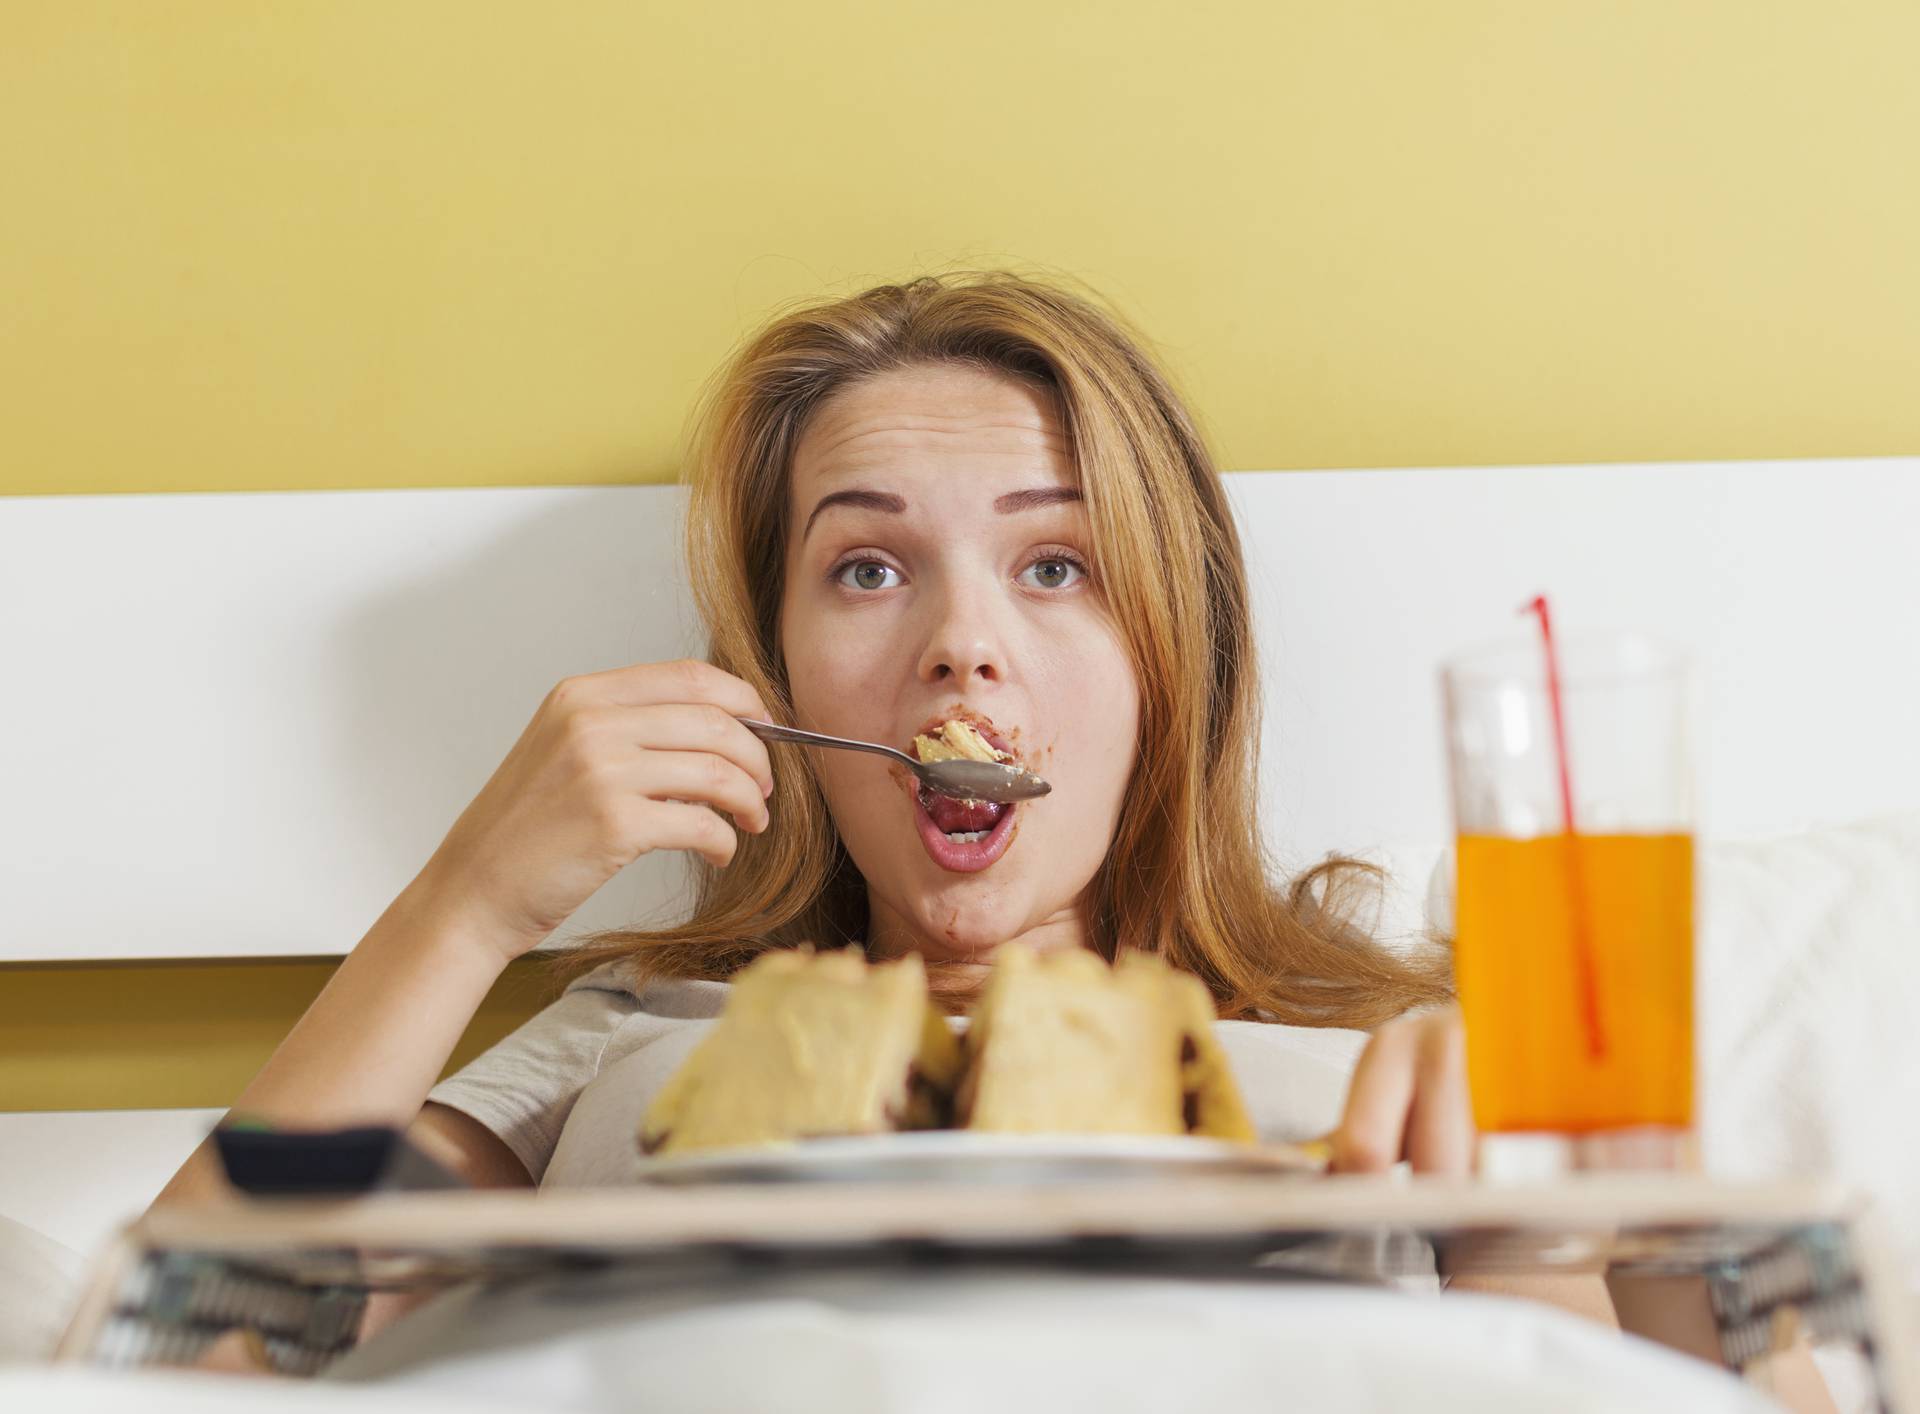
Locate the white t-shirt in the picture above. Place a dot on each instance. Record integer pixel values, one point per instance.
(567, 1091)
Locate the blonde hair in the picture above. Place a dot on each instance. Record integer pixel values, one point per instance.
(1185, 875)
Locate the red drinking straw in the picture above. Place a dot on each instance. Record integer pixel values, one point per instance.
(1576, 875)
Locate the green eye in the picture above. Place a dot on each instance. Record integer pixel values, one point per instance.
(1053, 572)
(866, 574)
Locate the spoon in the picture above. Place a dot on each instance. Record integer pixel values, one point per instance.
(963, 780)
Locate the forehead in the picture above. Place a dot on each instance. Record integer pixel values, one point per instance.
(933, 419)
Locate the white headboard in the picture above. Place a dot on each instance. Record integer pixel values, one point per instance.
(238, 724)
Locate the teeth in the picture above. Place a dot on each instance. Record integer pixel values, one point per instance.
(967, 836)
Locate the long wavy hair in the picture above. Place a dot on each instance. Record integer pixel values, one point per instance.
(1185, 875)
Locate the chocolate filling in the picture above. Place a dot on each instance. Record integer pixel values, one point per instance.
(1190, 1110)
(968, 1093)
(654, 1143)
(923, 1104)
(1189, 1053)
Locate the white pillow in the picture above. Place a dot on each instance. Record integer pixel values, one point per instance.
(1809, 971)
(39, 1282)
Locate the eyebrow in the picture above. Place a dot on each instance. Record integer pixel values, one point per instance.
(883, 501)
(887, 503)
(1035, 499)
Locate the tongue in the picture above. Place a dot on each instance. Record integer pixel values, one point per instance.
(952, 816)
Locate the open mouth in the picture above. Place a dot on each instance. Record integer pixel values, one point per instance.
(964, 836)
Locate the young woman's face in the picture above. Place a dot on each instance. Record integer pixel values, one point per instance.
(938, 569)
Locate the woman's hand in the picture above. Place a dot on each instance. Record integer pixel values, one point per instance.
(612, 766)
(1408, 1099)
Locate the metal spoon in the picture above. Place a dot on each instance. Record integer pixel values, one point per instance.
(963, 780)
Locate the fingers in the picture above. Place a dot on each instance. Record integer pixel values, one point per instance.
(1440, 1129)
(651, 684)
(704, 778)
(684, 726)
(673, 824)
(1409, 1099)
(1371, 1131)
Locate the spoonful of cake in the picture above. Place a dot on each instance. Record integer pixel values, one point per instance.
(945, 772)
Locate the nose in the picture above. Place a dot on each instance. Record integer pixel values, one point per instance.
(962, 645)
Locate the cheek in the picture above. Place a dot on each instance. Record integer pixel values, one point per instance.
(1090, 701)
(822, 659)
(805, 647)
(1108, 666)
(819, 666)
(1116, 729)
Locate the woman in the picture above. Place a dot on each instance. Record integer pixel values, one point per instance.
(966, 498)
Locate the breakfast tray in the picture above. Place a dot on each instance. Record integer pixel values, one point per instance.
(297, 1272)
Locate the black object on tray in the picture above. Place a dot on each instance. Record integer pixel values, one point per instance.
(271, 1163)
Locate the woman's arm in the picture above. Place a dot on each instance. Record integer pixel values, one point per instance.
(374, 1042)
(613, 765)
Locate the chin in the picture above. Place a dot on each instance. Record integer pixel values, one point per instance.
(966, 930)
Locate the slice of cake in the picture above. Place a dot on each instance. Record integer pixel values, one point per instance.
(811, 1045)
(1061, 1043)
(1210, 1097)
(956, 741)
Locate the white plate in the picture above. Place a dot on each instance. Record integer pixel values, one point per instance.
(955, 1156)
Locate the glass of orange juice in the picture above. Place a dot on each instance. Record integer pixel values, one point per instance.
(1574, 903)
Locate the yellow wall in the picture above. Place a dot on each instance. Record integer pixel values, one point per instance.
(391, 242)
(400, 243)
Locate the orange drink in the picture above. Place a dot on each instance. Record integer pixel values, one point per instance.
(1531, 1063)
(1574, 897)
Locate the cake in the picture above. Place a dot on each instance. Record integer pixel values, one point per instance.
(956, 741)
(815, 1045)
(1210, 1097)
(811, 1045)
(1061, 1043)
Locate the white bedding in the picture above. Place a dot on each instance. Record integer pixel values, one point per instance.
(864, 1343)
(855, 1343)
(999, 1343)
(1810, 1042)
(39, 1278)
(69, 1390)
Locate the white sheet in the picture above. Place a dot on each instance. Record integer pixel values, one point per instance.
(1007, 1342)
(68, 1390)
